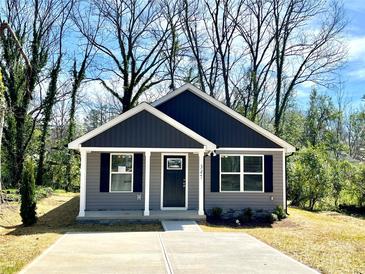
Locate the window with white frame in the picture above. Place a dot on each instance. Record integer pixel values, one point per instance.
(241, 173)
(230, 172)
(253, 173)
(121, 172)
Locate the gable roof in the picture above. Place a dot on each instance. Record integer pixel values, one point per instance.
(76, 144)
(219, 105)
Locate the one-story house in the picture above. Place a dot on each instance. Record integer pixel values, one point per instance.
(186, 152)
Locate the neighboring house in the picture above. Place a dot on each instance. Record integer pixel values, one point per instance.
(186, 151)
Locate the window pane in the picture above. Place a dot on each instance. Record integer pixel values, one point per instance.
(253, 183)
(230, 182)
(253, 163)
(230, 164)
(122, 163)
(121, 182)
(174, 163)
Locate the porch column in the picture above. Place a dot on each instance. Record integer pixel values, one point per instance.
(83, 154)
(147, 184)
(201, 183)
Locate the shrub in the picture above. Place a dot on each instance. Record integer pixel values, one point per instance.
(43, 192)
(246, 215)
(27, 191)
(271, 218)
(279, 212)
(217, 213)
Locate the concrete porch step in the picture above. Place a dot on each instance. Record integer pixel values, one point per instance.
(137, 215)
(181, 226)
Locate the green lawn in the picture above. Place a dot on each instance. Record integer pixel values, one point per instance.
(19, 245)
(328, 241)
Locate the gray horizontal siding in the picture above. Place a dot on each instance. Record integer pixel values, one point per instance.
(96, 200)
(241, 200)
(142, 130)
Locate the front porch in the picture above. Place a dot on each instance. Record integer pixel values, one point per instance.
(150, 201)
(138, 215)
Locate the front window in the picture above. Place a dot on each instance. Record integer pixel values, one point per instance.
(121, 172)
(241, 173)
(230, 173)
(253, 173)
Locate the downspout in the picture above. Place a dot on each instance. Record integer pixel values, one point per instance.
(286, 182)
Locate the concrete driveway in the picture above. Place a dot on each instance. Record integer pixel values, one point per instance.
(163, 252)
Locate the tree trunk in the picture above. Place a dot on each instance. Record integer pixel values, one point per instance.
(48, 106)
(78, 77)
(2, 117)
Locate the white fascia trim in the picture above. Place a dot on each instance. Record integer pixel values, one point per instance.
(248, 149)
(141, 149)
(288, 147)
(143, 106)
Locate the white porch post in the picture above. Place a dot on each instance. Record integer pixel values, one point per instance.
(147, 184)
(83, 154)
(201, 183)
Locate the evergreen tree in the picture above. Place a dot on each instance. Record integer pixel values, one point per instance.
(27, 190)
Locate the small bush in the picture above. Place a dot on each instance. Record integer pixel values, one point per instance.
(43, 192)
(246, 215)
(279, 212)
(271, 218)
(217, 213)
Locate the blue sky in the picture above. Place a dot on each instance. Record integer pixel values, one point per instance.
(353, 73)
(355, 69)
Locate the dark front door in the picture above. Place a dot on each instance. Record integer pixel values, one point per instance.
(174, 182)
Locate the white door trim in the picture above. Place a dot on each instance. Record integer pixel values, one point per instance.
(186, 180)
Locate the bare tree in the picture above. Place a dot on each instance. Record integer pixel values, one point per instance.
(78, 76)
(307, 46)
(51, 95)
(130, 36)
(221, 29)
(21, 81)
(176, 48)
(202, 53)
(254, 25)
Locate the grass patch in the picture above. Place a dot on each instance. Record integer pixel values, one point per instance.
(19, 245)
(328, 241)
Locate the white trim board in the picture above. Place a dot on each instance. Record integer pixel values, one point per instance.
(76, 144)
(288, 147)
(141, 149)
(246, 149)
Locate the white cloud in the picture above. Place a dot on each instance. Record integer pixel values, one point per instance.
(356, 48)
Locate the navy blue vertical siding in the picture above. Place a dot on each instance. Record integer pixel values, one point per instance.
(142, 130)
(212, 123)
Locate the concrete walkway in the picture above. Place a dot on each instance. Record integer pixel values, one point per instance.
(181, 226)
(163, 252)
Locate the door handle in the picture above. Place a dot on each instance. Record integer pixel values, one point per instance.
(184, 183)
